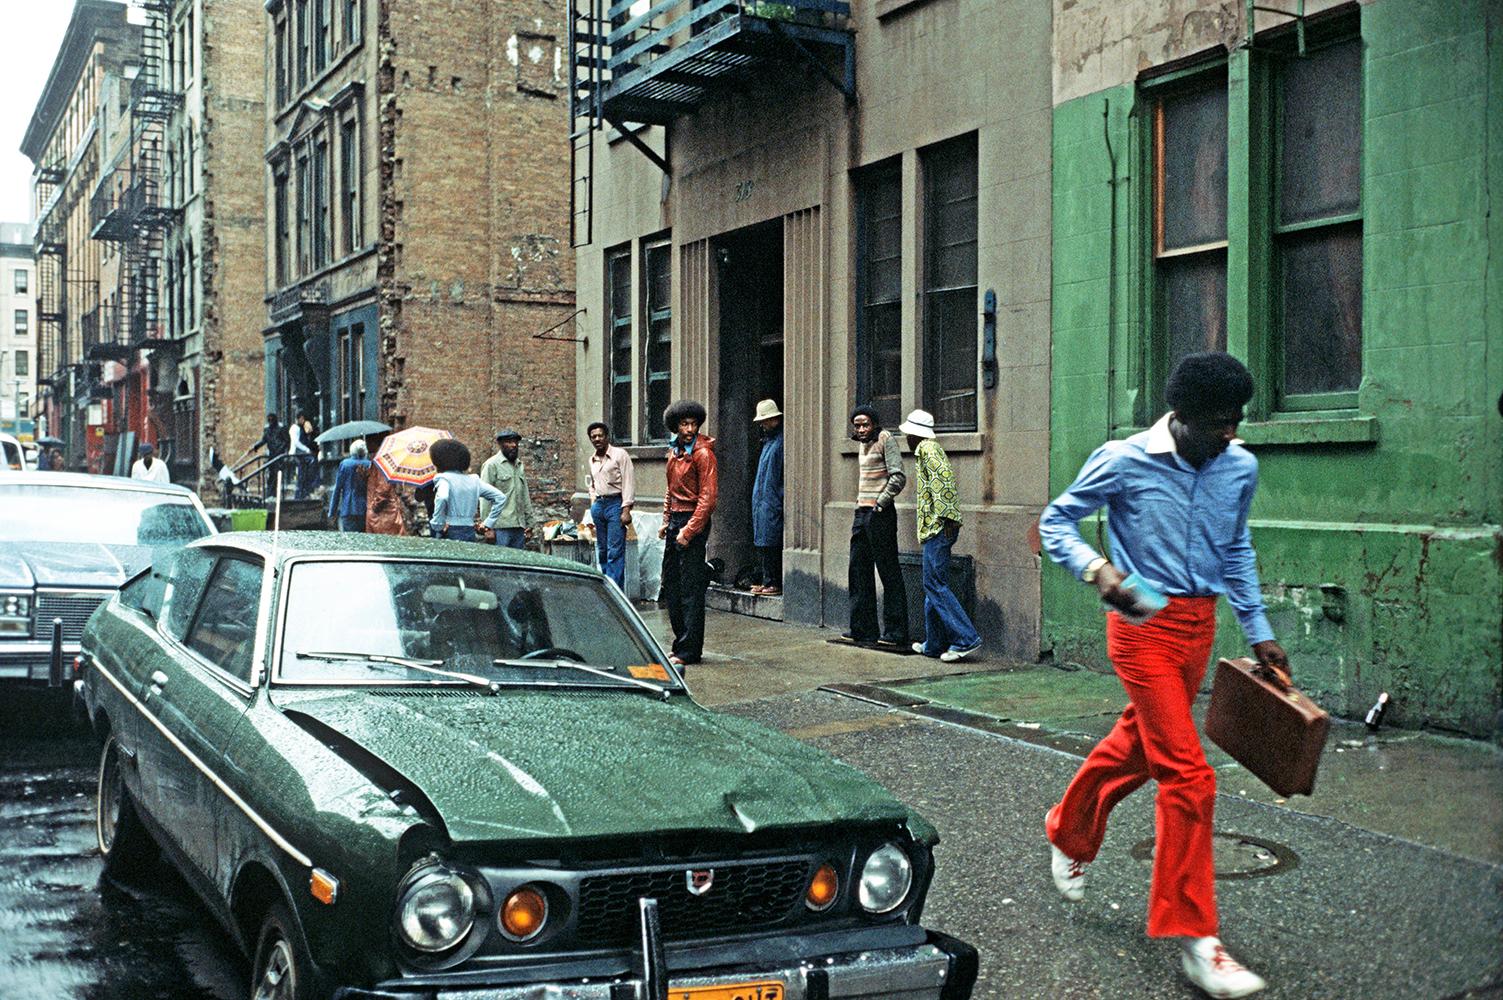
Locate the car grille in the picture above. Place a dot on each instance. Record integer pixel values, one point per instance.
(742, 897)
(74, 609)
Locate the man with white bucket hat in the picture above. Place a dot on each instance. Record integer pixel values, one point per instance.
(948, 632)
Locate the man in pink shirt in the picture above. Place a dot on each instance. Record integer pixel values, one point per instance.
(612, 493)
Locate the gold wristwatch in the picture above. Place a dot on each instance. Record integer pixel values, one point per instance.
(1092, 569)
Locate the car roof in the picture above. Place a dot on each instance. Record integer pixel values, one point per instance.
(83, 480)
(292, 544)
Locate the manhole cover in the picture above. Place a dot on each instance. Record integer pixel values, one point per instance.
(1237, 856)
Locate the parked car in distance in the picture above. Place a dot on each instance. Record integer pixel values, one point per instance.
(400, 767)
(13, 457)
(67, 543)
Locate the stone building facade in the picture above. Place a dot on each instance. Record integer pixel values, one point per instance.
(18, 331)
(418, 221)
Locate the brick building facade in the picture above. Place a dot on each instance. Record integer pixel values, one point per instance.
(418, 221)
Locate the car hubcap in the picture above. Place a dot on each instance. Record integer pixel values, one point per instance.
(109, 799)
(276, 982)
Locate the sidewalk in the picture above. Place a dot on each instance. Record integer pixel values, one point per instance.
(1433, 790)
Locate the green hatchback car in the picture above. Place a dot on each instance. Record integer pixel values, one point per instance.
(406, 768)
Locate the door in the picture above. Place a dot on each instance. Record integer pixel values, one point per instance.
(750, 276)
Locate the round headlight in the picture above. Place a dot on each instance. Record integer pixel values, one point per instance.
(885, 879)
(436, 911)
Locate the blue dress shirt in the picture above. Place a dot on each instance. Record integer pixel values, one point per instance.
(456, 500)
(1182, 529)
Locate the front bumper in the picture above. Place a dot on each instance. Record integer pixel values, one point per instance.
(30, 660)
(942, 968)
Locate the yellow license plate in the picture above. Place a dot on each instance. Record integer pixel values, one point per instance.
(768, 990)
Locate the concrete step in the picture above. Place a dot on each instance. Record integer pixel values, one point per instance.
(742, 602)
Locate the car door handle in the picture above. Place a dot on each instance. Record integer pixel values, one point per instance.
(158, 679)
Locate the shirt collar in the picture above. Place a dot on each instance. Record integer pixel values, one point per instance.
(1160, 440)
(679, 449)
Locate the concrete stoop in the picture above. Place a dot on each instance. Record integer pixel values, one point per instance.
(741, 602)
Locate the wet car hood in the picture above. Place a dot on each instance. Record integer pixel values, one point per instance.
(70, 564)
(523, 765)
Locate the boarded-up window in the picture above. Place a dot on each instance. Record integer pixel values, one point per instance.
(1318, 229)
(658, 274)
(1189, 222)
(879, 288)
(950, 321)
(618, 295)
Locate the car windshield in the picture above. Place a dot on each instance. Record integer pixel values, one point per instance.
(369, 622)
(38, 513)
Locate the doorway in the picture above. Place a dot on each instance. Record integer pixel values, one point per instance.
(749, 271)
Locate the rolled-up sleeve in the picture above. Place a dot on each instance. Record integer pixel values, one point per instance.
(1059, 527)
(1239, 569)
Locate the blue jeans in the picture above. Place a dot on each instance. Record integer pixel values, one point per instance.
(511, 538)
(610, 538)
(946, 625)
(351, 522)
(457, 533)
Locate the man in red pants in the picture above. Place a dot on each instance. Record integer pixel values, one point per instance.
(1178, 497)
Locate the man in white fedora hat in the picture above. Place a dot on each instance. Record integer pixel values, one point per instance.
(948, 632)
(767, 500)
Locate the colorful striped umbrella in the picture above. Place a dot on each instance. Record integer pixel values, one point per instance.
(404, 456)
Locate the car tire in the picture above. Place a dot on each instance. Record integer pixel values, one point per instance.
(124, 843)
(282, 970)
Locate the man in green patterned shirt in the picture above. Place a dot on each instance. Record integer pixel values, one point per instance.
(948, 632)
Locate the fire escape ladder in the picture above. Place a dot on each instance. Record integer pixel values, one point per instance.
(148, 209)
(586, 67)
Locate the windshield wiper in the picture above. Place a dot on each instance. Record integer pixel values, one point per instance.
(386, 659)
(585, 668)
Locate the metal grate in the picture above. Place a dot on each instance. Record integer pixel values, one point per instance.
(73, 609)
(741, 898)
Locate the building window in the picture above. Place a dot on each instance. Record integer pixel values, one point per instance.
(879, 291)
(349, 183)
(657, 269)
(320, 203)
(304, 214)
(1317, 225)
(352, 373)
(321, 31)
(23, 364)
(351, 22)
(190, 289)
(279, 209)
(1189, 223)
(23, 281)
(618, 297)
(282, 57)
(303, 42)
(23, 322)
(948, 300)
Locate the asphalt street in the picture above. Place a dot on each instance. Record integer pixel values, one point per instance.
(1343, 913)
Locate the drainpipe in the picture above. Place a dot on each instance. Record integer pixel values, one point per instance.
(1111, 272)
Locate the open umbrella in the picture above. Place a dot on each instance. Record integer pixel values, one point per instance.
(48, 442)
(404, 457)
(351, 429)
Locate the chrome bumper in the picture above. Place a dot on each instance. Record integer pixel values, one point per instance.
(942, 969)
(31, 660)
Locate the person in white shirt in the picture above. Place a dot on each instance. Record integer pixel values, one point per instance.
(149, 467)
(300, 447)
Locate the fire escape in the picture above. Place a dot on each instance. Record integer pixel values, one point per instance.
(52, 263)
(650, 62)
(131, 211)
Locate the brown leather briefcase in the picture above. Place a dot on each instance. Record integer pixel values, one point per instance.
(1267, 725)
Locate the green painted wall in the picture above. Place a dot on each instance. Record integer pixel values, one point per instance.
(1381, 557)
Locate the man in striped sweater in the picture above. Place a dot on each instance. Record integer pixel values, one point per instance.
(874, 536)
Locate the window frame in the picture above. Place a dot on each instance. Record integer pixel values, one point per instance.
(350, 158)
(221, 561)
(619, 326)
(863, 183)
(21, 281)
(931, 350)
(652, 431)
(21, 323)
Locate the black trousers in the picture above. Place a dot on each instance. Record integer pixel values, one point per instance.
(684, 581)
(771, 559)
(874, 545)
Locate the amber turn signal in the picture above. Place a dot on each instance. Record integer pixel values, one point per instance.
(823, 888)
(523, 914)
(323, 886)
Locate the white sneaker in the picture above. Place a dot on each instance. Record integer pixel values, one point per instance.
(1208, 965)
(956, 655)
(1069, 875)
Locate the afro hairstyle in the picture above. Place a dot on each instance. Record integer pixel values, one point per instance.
(680, 410)
(1208, 384)
(450, 455)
